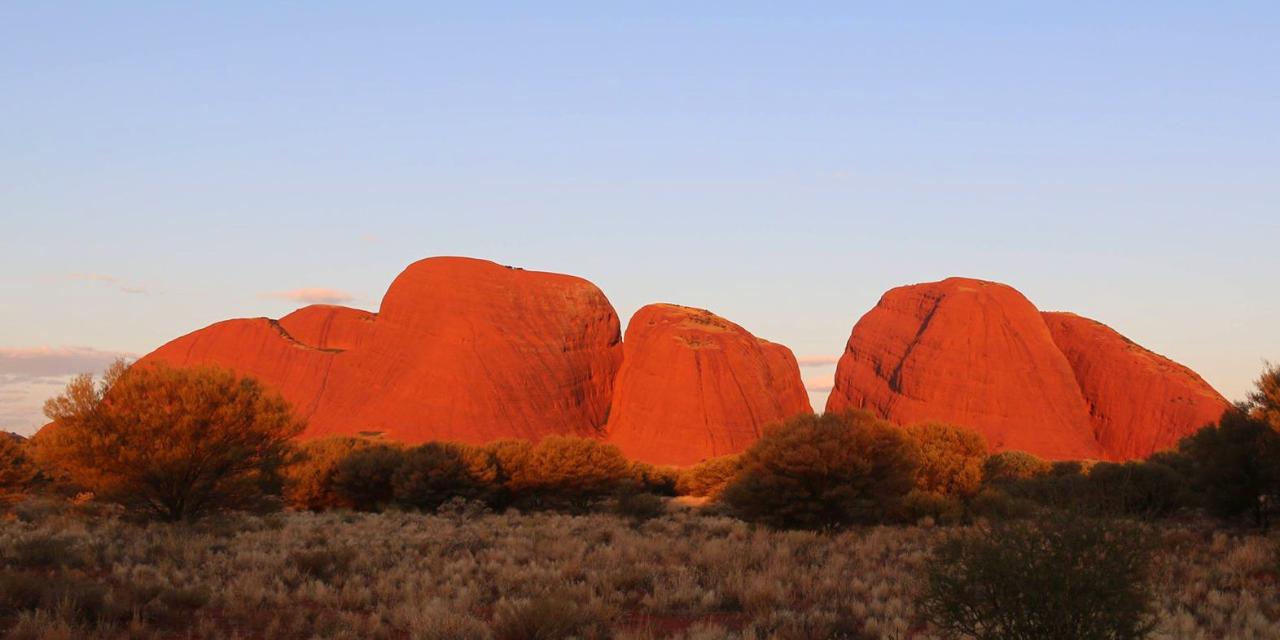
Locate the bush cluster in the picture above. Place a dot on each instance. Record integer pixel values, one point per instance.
(1067, 577)
(560, 472)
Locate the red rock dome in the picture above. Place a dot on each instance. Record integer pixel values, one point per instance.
(462, 349)
(694, 385)
(979, 354)
(968, 352)
(1139, 402)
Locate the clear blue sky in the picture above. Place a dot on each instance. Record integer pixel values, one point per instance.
(781, 164)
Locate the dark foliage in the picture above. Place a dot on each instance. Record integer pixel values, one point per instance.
(433, 473)
(825, 472)
(1235, 465)
(364, 477)
(1070, 578)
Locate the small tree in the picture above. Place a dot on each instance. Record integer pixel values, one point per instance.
(824, 472)
(173, 443)
(1264, 401)
(17, 471)
(951, 459)
(1069, 578)
(431, 474)
(364, 477)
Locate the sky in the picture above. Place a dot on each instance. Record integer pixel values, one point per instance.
(164, 167)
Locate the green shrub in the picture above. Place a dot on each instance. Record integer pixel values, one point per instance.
(939, 508)
(563, 472)
(951, 459)
(824, 472)
(658, 480)
(1135, 488)
(309, 476)
(1011, 466)
(709, 477)
(433, 473)
(638, 505)
(1069, 578)
(1235, 465)
(364, 477)
(995, 504)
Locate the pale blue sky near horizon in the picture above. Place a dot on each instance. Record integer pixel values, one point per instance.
(167, 167)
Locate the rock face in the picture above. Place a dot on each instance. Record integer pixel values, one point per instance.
(461, 349)
(1139, 401)
(968, 352)
(979, 354)
(694, 385)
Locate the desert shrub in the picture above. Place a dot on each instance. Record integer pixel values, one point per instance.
(1065, 486)
(564, 472)
(1235, 465)
(709, 477)
(995, 504)
(431, 474)
(823, 472)
(658, 480)
(951, 459)
(17, 470)
(638, 505)
(1135, 488)
(80, 600)
(323, 564)
(1011, 466)
(939, 508)
(309, 475)
(44, 552)
(364, 477)
(549, 617)
(171, 443)
(1069, 578)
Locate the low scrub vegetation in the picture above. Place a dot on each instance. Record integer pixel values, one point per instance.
(686, 573)
(832, 526)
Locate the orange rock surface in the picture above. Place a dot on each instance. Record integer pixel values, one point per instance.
(694, 385)
(461, 349)
(971, 353)
(979, 354)
(1139, 402)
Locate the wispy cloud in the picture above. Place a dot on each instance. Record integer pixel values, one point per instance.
(29, 375)
(820, 384)
(43, 361)
(312, 295)
(110, 281)
(817, 361)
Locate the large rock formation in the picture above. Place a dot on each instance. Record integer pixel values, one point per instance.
(1139, 401)
(461, 349)
(694, 385)
(968, 352)
(979, 354)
